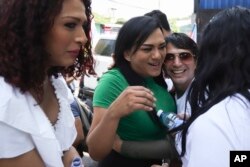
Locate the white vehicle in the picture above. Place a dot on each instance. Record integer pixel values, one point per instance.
(103, 60)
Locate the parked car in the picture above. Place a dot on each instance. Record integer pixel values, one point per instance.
(103, 60)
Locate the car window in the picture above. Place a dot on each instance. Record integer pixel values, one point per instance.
(105, 47)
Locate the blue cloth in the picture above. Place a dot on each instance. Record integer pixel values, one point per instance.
(75, 108)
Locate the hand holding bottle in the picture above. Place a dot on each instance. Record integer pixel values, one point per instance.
(169, 119)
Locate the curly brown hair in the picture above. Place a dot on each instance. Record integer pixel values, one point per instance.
(23, 24)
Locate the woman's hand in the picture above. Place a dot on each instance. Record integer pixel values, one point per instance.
(117, 144)
(131, 99)
(107, 119)
(183, 116)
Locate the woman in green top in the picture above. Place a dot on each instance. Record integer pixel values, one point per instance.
(129, 94)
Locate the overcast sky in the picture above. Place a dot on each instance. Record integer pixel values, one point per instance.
(130, 8)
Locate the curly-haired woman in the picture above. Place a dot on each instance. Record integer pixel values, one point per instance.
(40, 42)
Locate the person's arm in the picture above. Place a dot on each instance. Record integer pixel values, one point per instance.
(78, 123)
(156, 149)
(102, 132)
(80, 134)
(69, 156)
(29, 159)
(17, 148)
(105, 121)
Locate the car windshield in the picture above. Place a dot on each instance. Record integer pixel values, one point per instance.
(105, 47)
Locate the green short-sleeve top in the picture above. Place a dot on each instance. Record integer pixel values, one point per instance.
(138, 126)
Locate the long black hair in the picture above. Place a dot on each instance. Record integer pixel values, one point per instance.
(131, 36)
(223, 65)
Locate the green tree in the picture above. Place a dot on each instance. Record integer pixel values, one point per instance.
(173, 25)
(100, 19)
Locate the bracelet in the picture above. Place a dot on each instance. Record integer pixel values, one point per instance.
(77, 162)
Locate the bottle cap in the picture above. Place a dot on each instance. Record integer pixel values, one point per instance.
(159, 112)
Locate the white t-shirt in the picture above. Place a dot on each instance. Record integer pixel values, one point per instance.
(170, 84)
(182, 105)
(224, 127)
(24, 126)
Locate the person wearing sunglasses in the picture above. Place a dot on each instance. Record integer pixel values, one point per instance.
(179, 65)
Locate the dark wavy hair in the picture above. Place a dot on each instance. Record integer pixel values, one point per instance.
(23, 25)
(161, 17)
(223, 66)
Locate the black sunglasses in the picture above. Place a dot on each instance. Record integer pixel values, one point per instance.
(183, 56)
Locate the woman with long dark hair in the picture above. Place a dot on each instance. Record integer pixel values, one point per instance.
(220, 93)
(129, 94)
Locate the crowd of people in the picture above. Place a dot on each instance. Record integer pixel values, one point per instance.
(45, 42)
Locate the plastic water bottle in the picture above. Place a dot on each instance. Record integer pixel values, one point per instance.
(169, 120)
